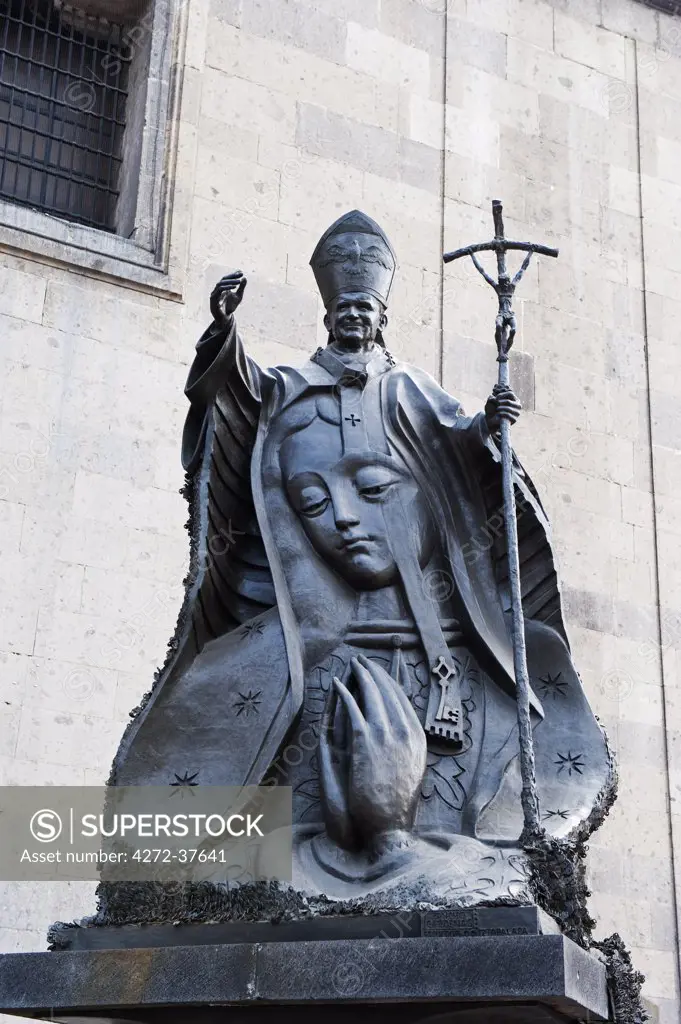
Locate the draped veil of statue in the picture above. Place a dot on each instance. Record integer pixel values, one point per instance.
(346, 628)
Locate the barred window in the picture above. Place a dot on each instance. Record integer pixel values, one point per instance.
(667, 6)
(90, 127)
(64, 79)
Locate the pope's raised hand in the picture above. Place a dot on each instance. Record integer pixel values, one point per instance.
(387, 753)
(226, 296)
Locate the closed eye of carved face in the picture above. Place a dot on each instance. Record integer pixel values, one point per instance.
(310, 499)
(376, 483)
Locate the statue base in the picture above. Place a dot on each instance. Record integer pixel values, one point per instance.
(484, 966)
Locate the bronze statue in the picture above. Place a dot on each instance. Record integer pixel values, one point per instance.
(346, 629)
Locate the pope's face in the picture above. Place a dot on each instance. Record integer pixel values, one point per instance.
(354, 318)
(341, 502)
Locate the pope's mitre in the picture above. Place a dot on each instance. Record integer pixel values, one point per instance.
(354, 255)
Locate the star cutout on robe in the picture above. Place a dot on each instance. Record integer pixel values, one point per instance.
(184, 782)
(552, 686)
(570, 762)
(252, 629)
(556, 814)
(248, 704)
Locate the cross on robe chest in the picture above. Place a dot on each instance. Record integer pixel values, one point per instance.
(351, 385)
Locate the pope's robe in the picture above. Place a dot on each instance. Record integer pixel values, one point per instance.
(263, 612)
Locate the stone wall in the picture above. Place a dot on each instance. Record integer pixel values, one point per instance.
(569, 111)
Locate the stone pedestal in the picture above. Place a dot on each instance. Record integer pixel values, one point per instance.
(511, 966)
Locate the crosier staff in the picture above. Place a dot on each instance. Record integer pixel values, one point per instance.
(505, 328)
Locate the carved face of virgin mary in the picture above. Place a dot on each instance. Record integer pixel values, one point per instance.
(342, 500)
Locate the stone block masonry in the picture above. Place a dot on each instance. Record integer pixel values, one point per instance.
(567, 110)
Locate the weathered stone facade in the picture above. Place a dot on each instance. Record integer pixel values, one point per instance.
(570, 112)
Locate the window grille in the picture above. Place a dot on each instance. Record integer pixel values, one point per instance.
(666, 6)
(63, 92)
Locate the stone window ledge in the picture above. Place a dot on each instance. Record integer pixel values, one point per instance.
(35, 235)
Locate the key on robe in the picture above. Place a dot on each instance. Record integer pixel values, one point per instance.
(446, 720)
